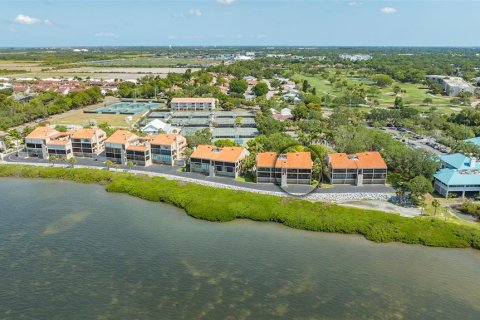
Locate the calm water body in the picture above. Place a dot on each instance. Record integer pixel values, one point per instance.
(70, 251)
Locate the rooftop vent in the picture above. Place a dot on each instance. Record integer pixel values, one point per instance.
(352, 157)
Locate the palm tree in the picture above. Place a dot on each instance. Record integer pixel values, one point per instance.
(435, 204)
(108, 164)
(130, 164)
(116, 166)
(52, 159)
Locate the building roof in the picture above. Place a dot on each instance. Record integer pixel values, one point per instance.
(121, 136)
(156, 125)
(291, 160)
(86, 133)
(458, 161)
(453, 177)
(227, 154)
(193, 100)
(166, 139)
(42, 133)
(138, 147)
(475, 141)
(364, 160)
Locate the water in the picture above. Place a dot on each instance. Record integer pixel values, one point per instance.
(70, 251)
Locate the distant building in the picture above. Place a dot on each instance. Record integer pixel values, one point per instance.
(284, 169)
(459, 174)
(192, 104)
(356, 57)
(157, 126)
(357, 169)
(215, 161)
(452, 86)
(282, 115)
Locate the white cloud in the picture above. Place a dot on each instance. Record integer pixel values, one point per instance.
(194, 13)
(48, 22)
(106, 35)
(388, 10)
(225, 1)
(24, 19)
(354, 3)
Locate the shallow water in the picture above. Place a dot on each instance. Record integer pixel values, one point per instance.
(71, 251)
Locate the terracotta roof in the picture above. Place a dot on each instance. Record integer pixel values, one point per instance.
(121, 136)
(166, 139)
(228, 154)
(138, 147)
(293, 160)
(42, 133)
(58, 142)
(86, 133)
(192, 100)
(364, 160)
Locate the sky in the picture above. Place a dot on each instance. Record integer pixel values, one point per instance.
(67, 23)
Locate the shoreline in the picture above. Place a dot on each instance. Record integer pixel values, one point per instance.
(222, 205)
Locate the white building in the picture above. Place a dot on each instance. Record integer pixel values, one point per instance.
(158, 126)
(193, 104)
(452, 86)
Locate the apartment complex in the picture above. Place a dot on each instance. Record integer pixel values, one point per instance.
(459, 175)
(215, 161)
(357, 169)
(193, 104)
(452, 86)
(168, 148)
(123, 146)
(88, 143)
(284, 169)
(44, 142)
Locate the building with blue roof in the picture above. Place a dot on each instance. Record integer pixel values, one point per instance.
(475, 141)
(459, 174)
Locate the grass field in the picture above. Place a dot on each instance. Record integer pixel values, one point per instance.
(414, 96)
(148, 62)
(81, 118)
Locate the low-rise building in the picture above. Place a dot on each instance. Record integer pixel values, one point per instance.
(88, 143)
(459, 175)
(36, 141)
(192, 104)
(215, 161)
(116, 146)
(168, 148)
(357, 169)
(157, 126)
(452, 86)
(284, 169)
(60, 145)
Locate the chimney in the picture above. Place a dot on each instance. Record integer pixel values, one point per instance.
(473, 162)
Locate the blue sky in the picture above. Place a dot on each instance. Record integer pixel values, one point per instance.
(49, 23)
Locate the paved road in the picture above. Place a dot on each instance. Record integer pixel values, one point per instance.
(420, 143)
(175, 171)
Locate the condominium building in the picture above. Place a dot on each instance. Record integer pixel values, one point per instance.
(215, 161)
(168, 148)
(123, 146)
(284, 169)
(88, 143)
(459, 175)
(452, 86)
(192, 104)
(37, 140)
(357, 169)
(60, 145)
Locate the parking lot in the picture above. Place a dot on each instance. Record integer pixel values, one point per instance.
(416, 141)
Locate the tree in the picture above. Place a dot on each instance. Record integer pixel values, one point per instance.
(305, 85)
(435, 204)
(382, 80)
(108, 164)
(260, 89)
(238, 86)
(300, 112)
(52, 159)
(200, 137)
(221, 143)
(72, 161)
(418, 187)
(398, 102)
(427, 100)
(129, 164)
(238, 121)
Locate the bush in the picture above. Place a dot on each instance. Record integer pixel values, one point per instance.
(222, 205)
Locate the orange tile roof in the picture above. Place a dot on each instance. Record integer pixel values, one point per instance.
(192, 100)
(227, 154)
(138, 147)
(294, 160)
(86, 133)
(166, 139)
(42, 133)
(364, 160)
(58, 142)
(121, 136)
